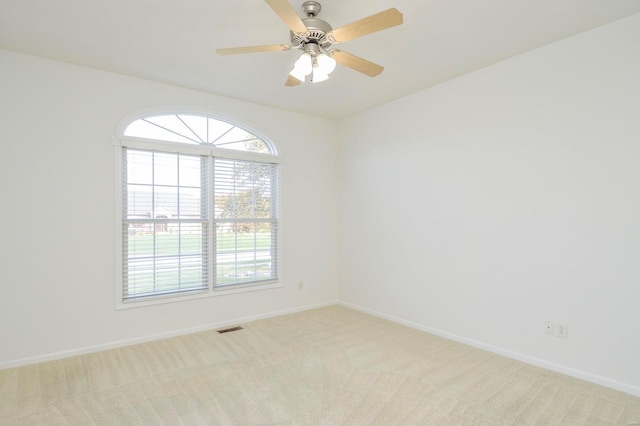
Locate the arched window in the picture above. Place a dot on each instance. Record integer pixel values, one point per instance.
(197, 130)
(199, 208)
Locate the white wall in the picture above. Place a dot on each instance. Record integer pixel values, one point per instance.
(484, 206)
(57, 242)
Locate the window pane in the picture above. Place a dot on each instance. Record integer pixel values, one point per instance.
(165, 169)
(189, 171)
(140, 241)
(148, 130)
(139, 167)
(139, 201)
(196, 125)
(190, 203)
(165, 202)
(174, 126)
(256, 145)
(191, 241)
(244, 253)
(244, 189)
(235, 135)
(217, 129)
(165, 257)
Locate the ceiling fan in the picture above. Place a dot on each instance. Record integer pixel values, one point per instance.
(316, 39)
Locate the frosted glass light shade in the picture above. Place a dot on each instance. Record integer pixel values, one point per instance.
(295, 72)
(304, 64)
(326, 63)
(318, 75)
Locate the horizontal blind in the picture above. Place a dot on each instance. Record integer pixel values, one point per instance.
(245, 220)
(165, 223)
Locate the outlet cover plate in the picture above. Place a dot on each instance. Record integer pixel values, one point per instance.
(562, 330)
(548, 327)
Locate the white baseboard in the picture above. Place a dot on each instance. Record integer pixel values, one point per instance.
(159, 336)
(583, 375)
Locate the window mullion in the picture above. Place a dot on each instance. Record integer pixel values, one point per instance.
(212, 229)
(179, 216)
(153, 216)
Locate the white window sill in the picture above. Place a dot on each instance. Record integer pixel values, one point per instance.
(219, 291)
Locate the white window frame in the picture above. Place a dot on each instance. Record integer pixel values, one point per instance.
(122, 142)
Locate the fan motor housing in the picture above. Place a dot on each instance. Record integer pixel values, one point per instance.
(316, 27)
(316, 30)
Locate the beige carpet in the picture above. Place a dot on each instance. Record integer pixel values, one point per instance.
(329, 366)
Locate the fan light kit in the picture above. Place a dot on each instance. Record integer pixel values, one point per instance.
(316, 39)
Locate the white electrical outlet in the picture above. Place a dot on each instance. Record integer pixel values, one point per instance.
(562, 330)
(548, 327)
(300, 285)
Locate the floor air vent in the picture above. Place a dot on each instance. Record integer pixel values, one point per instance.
(229, 330)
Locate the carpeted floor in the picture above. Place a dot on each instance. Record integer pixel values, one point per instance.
(329, 366)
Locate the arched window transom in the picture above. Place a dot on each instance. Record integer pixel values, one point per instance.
(198, 130)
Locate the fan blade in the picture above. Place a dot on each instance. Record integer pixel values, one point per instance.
(288, 15)
(252, 49)
(380, 21)
(292, 81)
(357, 63)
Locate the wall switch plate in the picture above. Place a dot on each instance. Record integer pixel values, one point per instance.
(548, 327)
(562, 330)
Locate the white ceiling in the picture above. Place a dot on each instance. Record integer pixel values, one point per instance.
(174, 42)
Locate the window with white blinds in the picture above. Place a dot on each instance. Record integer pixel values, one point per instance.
(245, 221)
(196, 219)
(165, 223)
